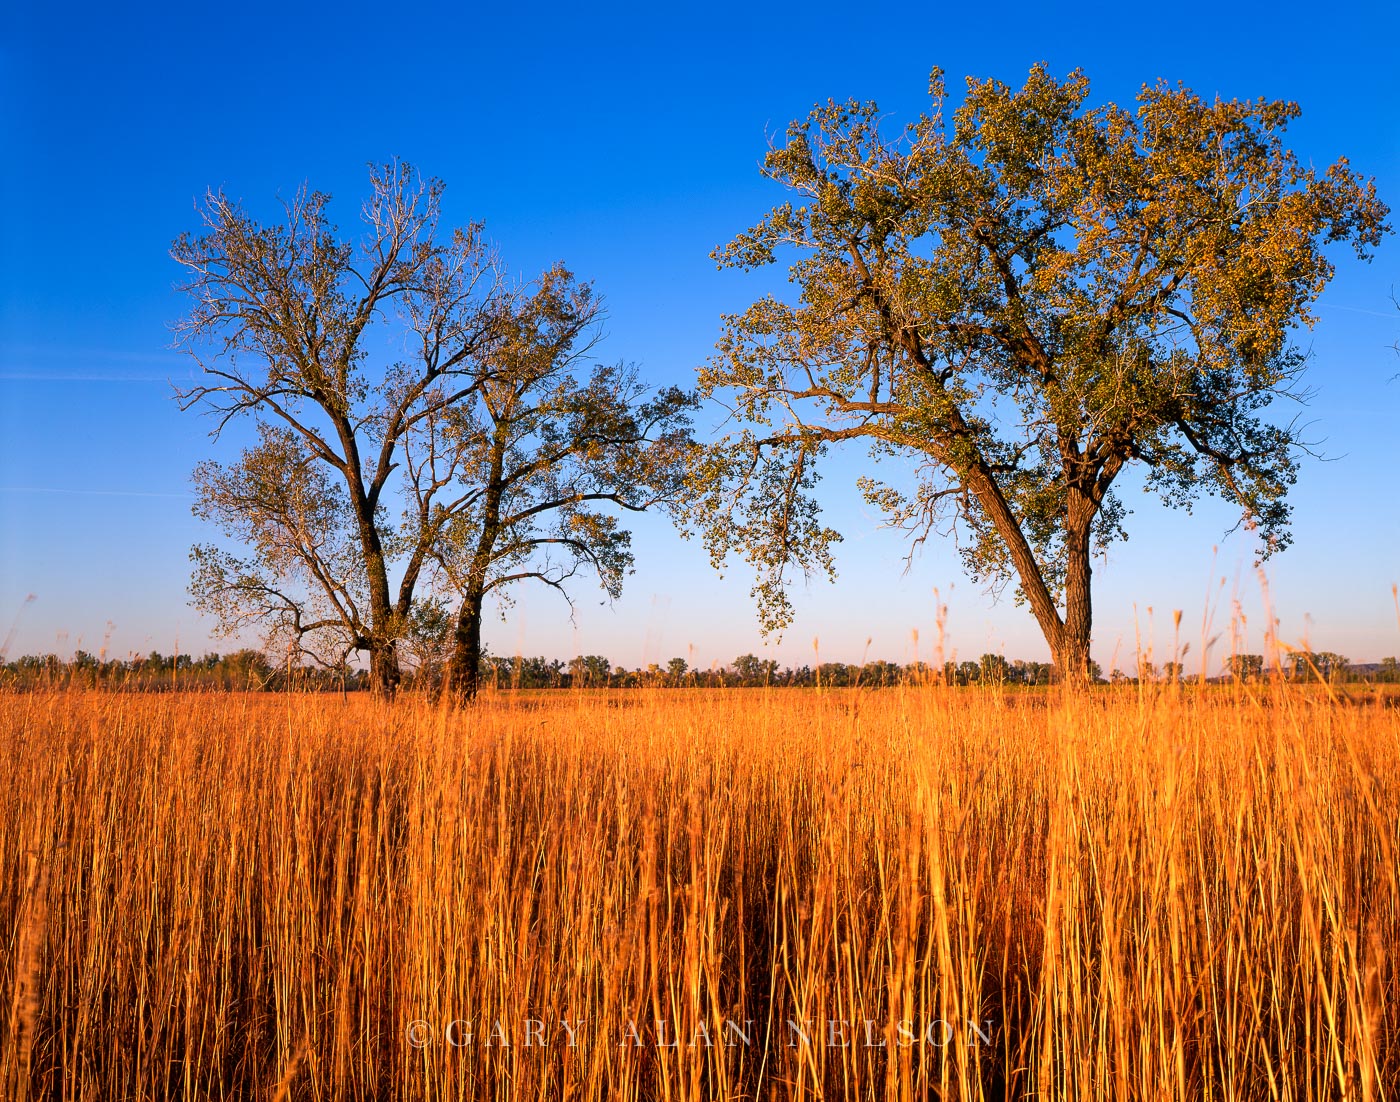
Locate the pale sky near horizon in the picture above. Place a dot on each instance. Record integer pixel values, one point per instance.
(625, 142)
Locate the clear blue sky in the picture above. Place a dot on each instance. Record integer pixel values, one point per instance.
(626, 143)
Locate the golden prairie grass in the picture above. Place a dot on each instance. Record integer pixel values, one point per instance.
(900, 894)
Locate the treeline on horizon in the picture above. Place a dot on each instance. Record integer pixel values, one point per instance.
(249, 669)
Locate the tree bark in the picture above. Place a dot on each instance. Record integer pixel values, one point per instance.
(1033, 585)
(464, 669)
(384, 672)
(1072, 647)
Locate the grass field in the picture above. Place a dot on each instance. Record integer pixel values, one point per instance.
(1147, 894)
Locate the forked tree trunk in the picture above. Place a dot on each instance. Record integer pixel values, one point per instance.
(464, 669)
(1068, 638)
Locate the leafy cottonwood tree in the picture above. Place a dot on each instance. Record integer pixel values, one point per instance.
(547, 451)
(298, 330)
(1027, 301)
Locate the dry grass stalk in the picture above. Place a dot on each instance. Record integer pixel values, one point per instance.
(23, 1020)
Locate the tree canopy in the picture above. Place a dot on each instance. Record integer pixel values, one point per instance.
(1026, 297)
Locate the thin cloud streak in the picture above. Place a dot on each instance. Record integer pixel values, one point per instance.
(48, 377)
(93, 493)
(1356, 310)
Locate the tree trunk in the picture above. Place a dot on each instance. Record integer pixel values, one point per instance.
(1072, 647)
(1067, 638)
(384, 672)
(464, 669)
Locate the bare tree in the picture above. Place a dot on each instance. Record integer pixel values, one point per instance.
(505, 454)
(285, 323)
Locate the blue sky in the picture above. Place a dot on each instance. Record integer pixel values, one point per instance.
(624, 141)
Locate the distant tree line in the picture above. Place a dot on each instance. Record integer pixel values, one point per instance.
(1325, 666)
(250, 670)
(242, 670)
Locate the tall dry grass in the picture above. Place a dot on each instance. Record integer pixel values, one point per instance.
(1142, 894)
